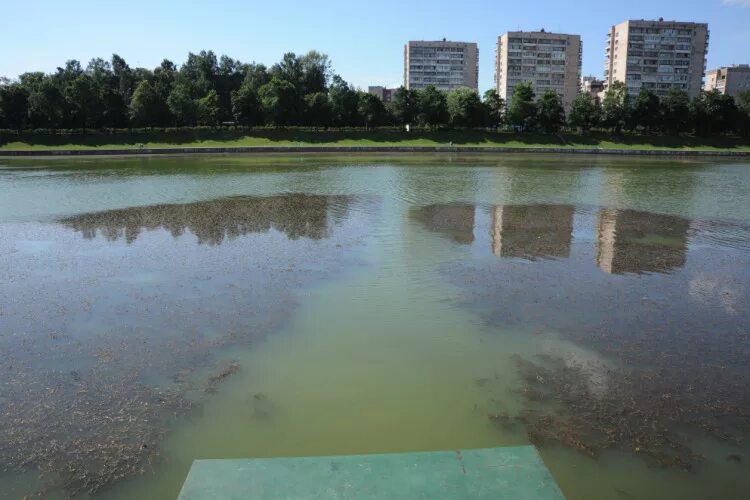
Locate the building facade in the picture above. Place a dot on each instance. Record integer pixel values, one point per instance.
(592, 86)
(730, 80)
(385, 94)
(446, 65)
(550, 61)
(657, 55)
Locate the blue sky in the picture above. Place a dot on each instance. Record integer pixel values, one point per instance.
(364, 39)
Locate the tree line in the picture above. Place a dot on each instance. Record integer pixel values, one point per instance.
(302, 90)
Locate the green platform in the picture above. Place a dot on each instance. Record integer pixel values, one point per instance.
(514, 473)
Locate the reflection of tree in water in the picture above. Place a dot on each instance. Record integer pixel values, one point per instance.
(629, 241)
(296, 215)
(454, 220)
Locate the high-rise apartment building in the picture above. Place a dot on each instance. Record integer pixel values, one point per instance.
(729, 80)
(446, 65)
(550, 61)
(657, 55)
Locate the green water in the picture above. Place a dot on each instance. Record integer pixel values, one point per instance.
(370, 304)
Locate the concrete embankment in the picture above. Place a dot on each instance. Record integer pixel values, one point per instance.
(366, 149)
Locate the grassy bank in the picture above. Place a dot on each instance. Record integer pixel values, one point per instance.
(373, 138)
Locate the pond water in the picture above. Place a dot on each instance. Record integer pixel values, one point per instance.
(158, 310)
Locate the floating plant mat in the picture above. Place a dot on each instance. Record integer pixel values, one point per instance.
(110, 339)
(661, 312)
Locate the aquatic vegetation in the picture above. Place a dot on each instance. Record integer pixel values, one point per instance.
(85, 410)
(654, 412)
(84, 433)
(220, 375)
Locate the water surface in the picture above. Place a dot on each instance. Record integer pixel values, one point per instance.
(155, 311)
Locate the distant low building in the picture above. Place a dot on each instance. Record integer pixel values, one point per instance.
(729, 80)
(385, 94)
(592, 86)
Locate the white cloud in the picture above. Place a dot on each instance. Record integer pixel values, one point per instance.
(743, 3)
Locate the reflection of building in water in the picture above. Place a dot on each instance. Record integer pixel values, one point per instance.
(296, 215)
(629, 241)
(531, 231)
(455, 220)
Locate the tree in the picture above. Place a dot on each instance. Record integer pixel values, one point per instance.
(278, 99)
(675, 112)
(147, 107)
(289, 70)
(585, 112)
(182, 106)
(551, 114)
(256, 75)
(109, 109)
(405, 105)
(465, 109)
(14, 100)
(616, 107)
(646, 111)
(124, 78)
(522, 110)
(46, 104)
(316, 71)
(371, 110)
(714, 113)
(344, 103)
(199, 73)
(743, 109)
(246, 107)
(207, 109)
(494, 108)
(229, 78)
(317, 110)
(433, 107)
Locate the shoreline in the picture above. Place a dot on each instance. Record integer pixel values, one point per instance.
(260, 150)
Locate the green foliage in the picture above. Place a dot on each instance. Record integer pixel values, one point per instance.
(302, 90)
(714, 113)
(182, 106)
(207, 108)
(405, 106)
(46, 104)
(316, 72)
(372, 110)
(494, 108)
(616, 107)
(551, 113)
(13, 104)
(433, 107)
(147, 106)
(522, 111)
(743, 112)
(675, 112)
(465, 108)
(246, 108)
(646, 111)
(585, 112)
(279, 101)
(344, 103)
(317, 110)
